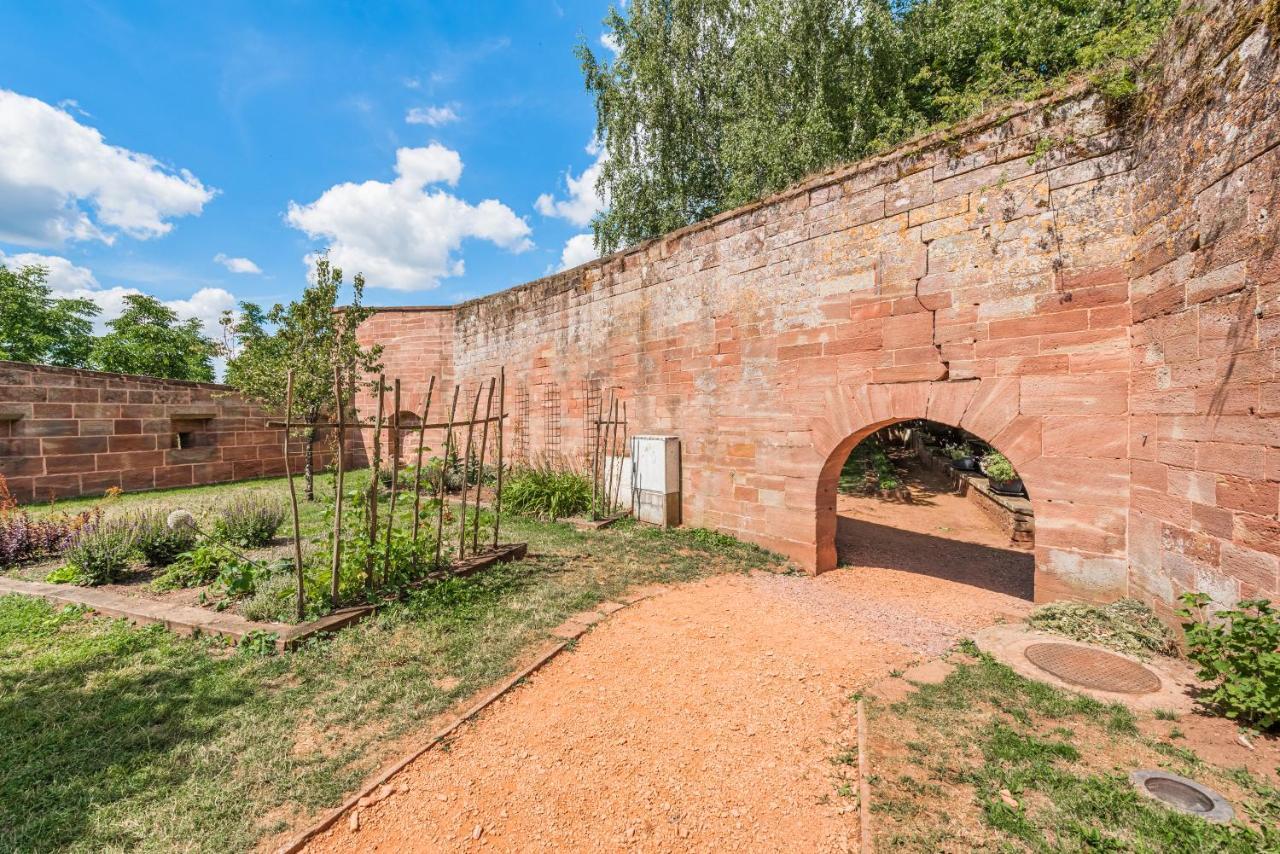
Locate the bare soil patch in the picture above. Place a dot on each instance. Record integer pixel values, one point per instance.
(938, 534)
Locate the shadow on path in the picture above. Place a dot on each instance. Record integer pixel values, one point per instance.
(861, 543)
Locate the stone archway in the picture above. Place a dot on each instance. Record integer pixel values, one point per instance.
(1080, 551)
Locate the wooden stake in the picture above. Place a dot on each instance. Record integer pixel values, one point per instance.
(624, 448)
(610, 437)
(444, 465)
(595, 466)
(397, 442)
(417, 469)
(466, 468)
(484, 440)
(336, 563)
(373, 483)
(502, 411)
(293, 496)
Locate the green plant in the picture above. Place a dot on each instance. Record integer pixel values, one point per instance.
(250, 521)
(959, 452)
(239, 578)
(272, 599)
(868, 468)
(193, 568)
(998, 468)
(308, 336)
(100, 554)
(159, 544)
(1238, 651)
(258, 643)
(543, 492)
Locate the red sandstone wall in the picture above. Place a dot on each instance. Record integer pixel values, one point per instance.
(1205, 435)
(1090, 312)
(66, 432)
(950, 273)
(418, 344)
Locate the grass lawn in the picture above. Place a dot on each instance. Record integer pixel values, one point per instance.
(990, 761)
(116, 738)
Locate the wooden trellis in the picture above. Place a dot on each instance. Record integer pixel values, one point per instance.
(609, 426)
(470, 555)
(551, 422)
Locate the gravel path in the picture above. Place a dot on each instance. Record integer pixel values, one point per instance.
(705, 718)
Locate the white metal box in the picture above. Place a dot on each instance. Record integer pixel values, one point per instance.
(656, 463)
(655, 479)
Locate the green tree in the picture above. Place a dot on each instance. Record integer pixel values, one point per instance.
(36, 327)
(710, 104)
(148, 338)
(310, 336)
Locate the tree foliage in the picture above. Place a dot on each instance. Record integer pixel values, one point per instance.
(710, 104)
(36, 327)
(308, 336)
(149, 339)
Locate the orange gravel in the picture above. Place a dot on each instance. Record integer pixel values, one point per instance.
(705, 718)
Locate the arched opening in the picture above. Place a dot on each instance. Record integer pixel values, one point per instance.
(933, 499)
(404, 441)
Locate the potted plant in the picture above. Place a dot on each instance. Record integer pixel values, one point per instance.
(962, 458)
(1001, 476)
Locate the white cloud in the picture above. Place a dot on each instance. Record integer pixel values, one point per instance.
(433, 116)
(578, 249)
(206, 305)
(237, 265)
(610, 43)
(70, 281)
(583, 202)
(60, 181)
(401, 234)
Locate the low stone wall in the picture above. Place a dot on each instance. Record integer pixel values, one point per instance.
(1013, 514)
(67, 432)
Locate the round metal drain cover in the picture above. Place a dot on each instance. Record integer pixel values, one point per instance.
(1183, 795)
(1092, 668)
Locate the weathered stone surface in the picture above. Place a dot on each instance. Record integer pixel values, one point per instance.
(99, 430)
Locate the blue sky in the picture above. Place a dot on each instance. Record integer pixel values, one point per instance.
(262, 132)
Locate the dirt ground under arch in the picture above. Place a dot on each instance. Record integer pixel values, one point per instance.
(710, 717)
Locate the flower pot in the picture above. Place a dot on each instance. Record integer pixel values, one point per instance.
(1006, 487)
(965, 464)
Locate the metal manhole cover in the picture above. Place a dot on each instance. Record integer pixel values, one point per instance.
(1092, 668)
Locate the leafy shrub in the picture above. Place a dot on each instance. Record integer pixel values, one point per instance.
(452, 466)
(869, 468)
(100, 553)
(23, 538)
(273, 598)
(1238, 651)
(1125, 625)
(193, 568)
(959, 452)
(405, 562)
(998, 468)
(238, 578)
(250, 521)
(159, 544)
(544, 492)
